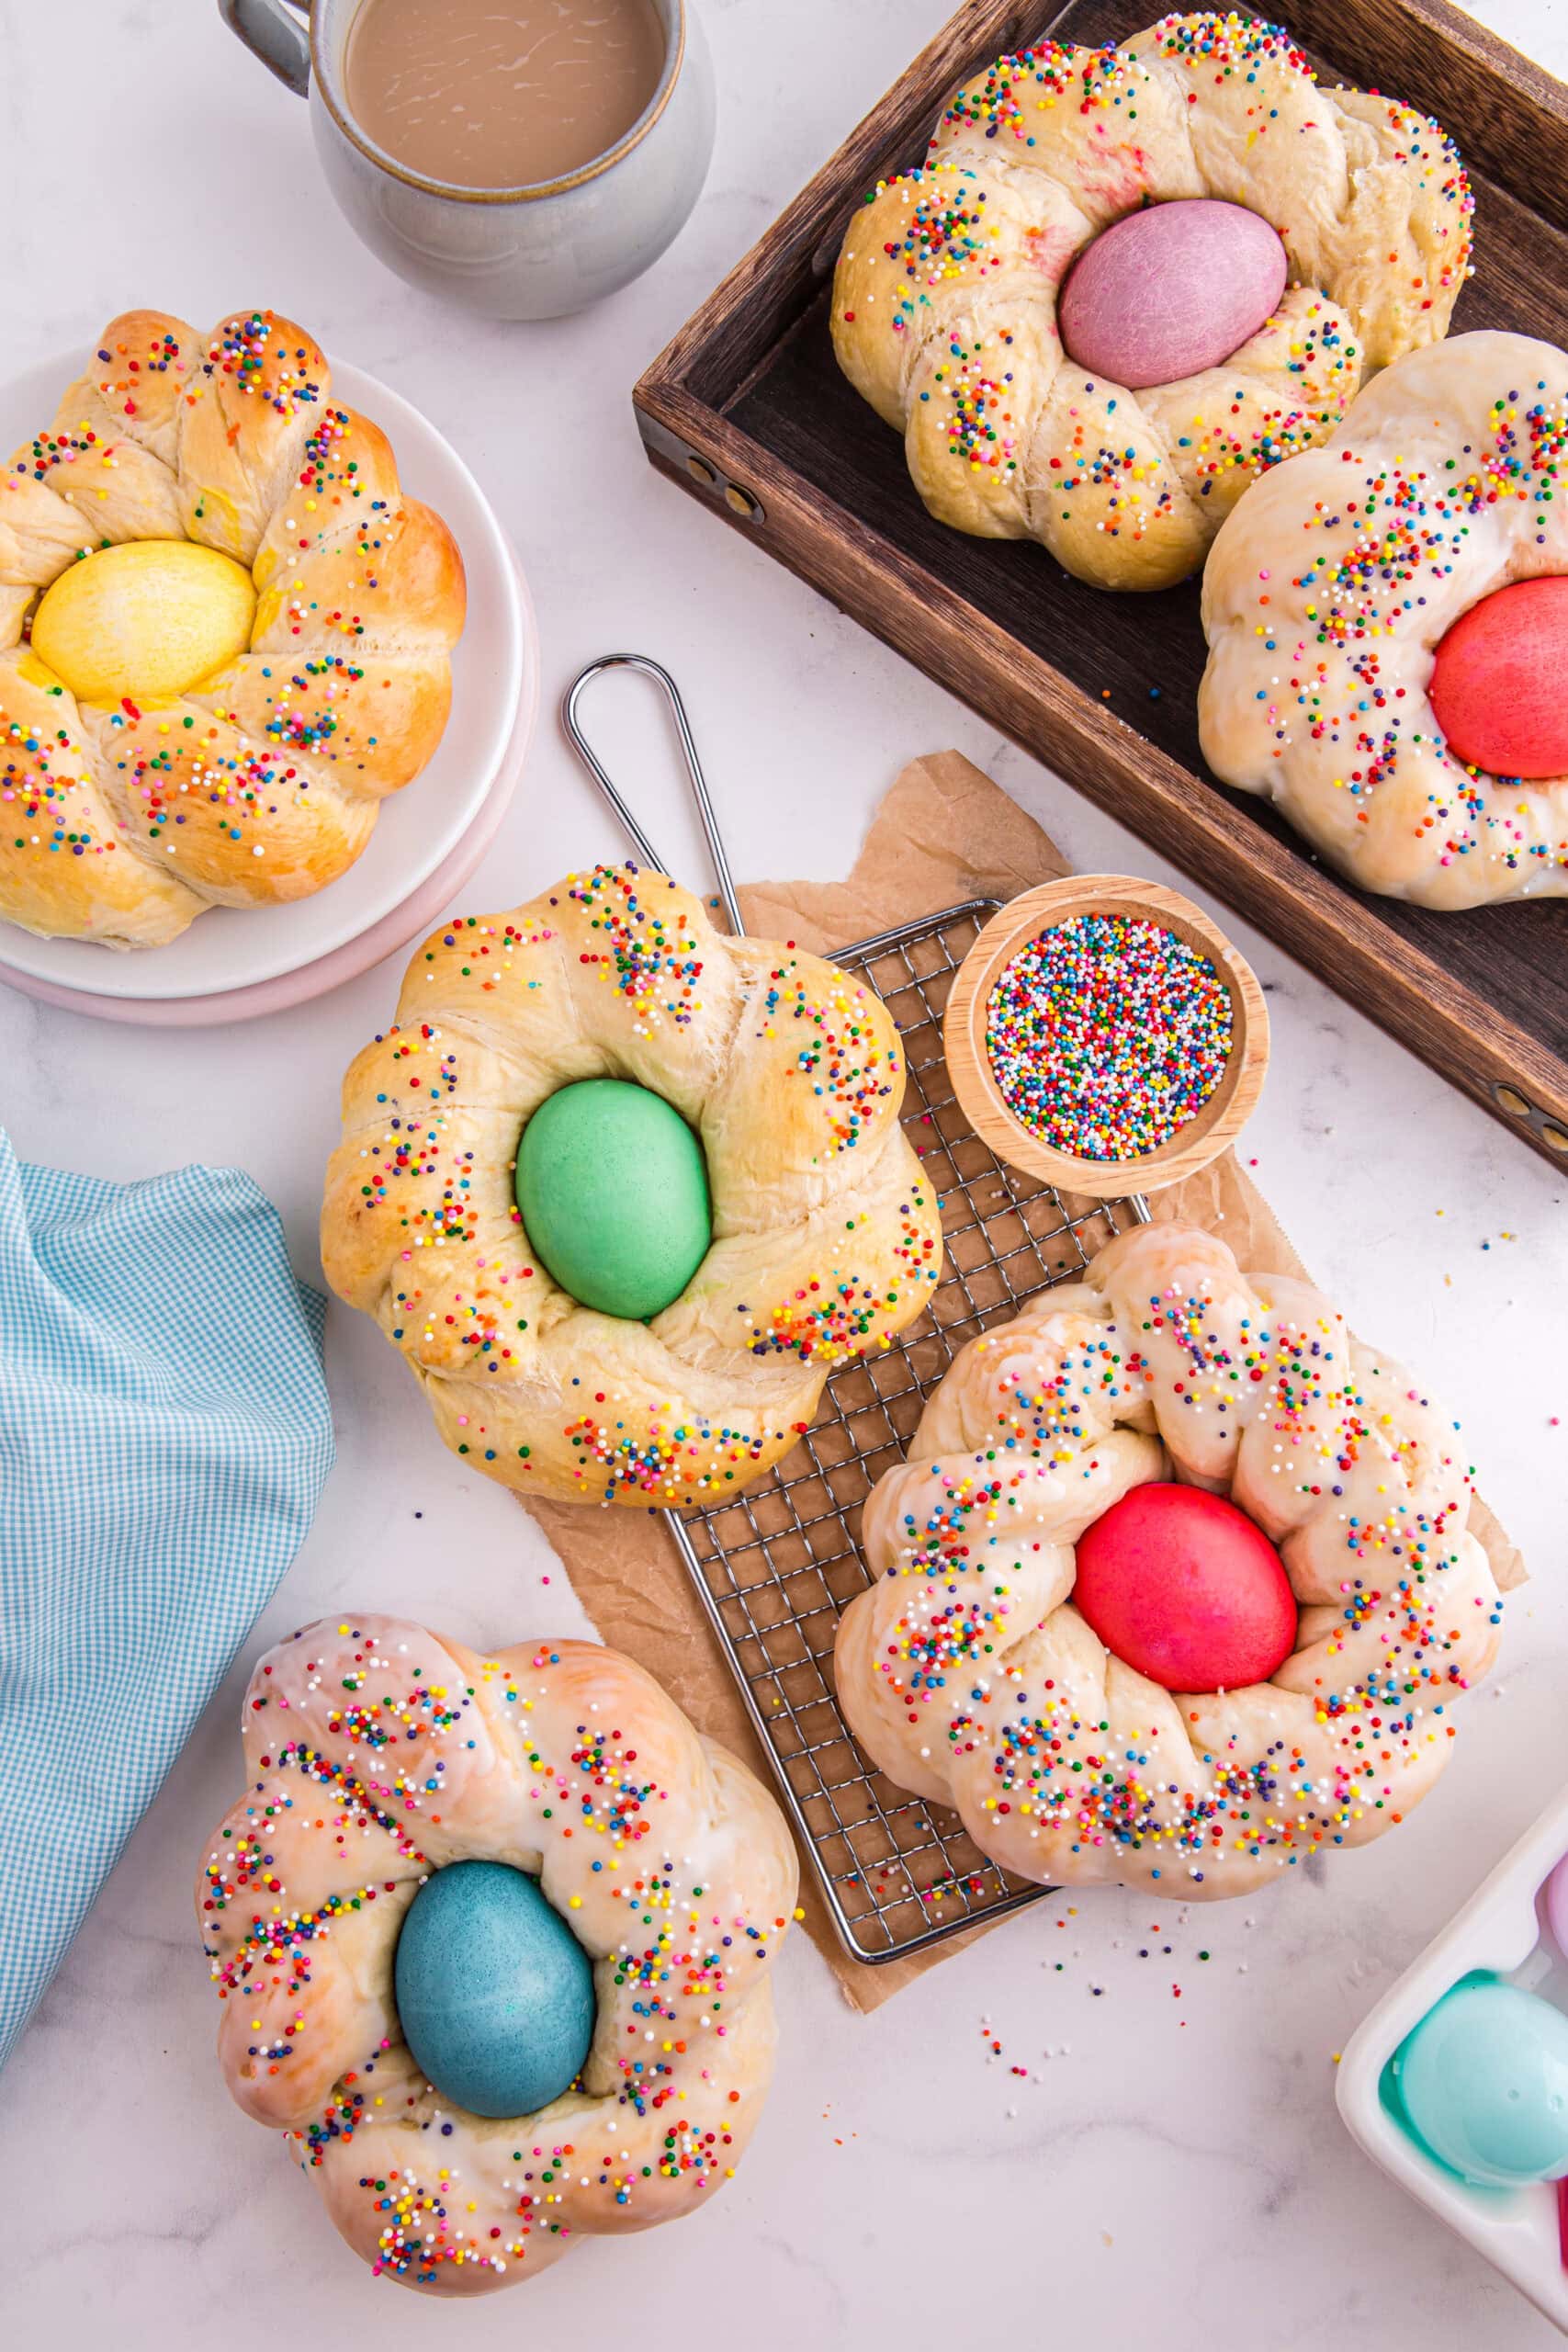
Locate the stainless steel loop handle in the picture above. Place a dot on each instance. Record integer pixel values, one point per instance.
(600, 775)
(277, 32)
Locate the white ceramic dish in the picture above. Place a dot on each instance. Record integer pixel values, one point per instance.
(1501, 1929)
(421, 830)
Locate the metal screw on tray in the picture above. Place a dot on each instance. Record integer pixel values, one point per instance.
(969, 1033)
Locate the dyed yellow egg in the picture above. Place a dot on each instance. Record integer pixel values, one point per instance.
(146, 619)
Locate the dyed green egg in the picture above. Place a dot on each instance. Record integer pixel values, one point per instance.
(613, 1192)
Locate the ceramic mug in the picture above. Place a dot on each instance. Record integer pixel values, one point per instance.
(518, 253)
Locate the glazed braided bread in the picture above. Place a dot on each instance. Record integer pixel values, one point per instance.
(970, 1678)
(260, 784)
(944, 304)
(826, 1238)
(1442, 486)
(375, 1753)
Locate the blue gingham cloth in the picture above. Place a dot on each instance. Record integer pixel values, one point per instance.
(164, 1434)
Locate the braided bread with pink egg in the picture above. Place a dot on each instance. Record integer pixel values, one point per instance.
(376, 1753)
(194, 729)
(969, 1675)
(946, 300)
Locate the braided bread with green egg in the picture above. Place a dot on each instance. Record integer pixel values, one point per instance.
(825, 1238)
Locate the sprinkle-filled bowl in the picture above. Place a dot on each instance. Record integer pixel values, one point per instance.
(1103, 1035)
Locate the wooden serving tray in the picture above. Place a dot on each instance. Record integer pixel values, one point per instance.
(747, 409)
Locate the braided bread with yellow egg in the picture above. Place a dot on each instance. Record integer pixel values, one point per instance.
(224, 634)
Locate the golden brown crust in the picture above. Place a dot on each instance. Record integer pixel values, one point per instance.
(827, 1237)
(242, 822)
(242, 439)
(348, 479)
(396, 584)
(945, 300)
(145, 372)
(262, 783)
(65, 869)
(370, 721)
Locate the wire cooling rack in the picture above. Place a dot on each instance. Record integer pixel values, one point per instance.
(776, 1567)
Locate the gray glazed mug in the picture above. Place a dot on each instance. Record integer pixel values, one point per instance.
(523, 253)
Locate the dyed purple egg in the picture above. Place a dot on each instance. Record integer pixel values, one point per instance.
(1169, 290)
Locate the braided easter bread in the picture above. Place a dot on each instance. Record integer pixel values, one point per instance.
(126, 814)
(970, 1678)
(1325, 604)
(944, 304)
(826, 1238)
(375, 1754)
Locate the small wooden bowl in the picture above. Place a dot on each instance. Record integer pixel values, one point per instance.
(1204, 1135)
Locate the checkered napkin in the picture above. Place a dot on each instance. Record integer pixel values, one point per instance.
(164, 1434)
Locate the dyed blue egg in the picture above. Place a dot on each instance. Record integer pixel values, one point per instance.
(495, 1992)
(1483, 2082)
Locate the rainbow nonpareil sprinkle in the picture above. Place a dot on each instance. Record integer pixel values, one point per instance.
(1107, 1035)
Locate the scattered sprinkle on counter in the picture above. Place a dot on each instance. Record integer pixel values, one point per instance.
(1157, 1941)
(1107, 1035)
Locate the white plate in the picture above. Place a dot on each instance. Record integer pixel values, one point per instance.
(1501, 1930)
(494, 681)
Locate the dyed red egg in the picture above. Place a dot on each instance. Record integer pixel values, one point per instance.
(1498, 684)
(1169, 290)
(1180, 1585)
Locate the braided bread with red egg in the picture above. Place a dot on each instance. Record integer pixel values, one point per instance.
(969, 1670)
(1329, 604)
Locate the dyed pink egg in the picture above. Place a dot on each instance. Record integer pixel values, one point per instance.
(1498, 685)
(1179, 1584)
(1170, 289)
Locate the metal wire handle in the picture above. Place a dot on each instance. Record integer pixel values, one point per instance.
(1137, 1201)
(700, 793)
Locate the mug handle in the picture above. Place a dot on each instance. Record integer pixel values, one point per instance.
(273, 31)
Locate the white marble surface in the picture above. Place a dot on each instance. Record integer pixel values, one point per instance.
(1173, 2171)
